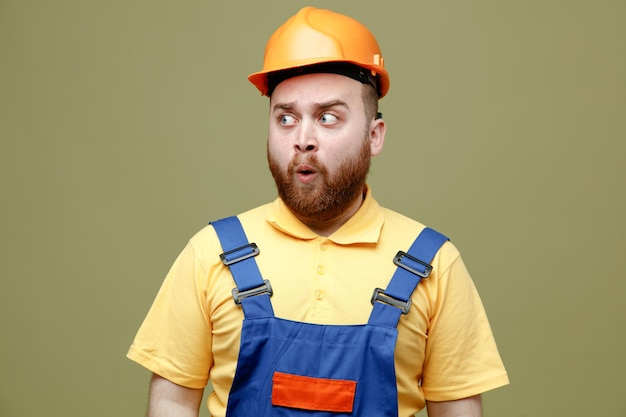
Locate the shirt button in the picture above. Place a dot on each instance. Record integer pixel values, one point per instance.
(319, 295)
(324, 246)
(321, 270)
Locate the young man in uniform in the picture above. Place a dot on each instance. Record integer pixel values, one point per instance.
(322, 302)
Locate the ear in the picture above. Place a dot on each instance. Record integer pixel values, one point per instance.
(377, 135)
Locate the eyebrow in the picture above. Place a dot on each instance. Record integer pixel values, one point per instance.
(317, 106)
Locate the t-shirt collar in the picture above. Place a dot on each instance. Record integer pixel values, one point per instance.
(363, 227)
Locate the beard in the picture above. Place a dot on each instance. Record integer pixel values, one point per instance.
(328, 196)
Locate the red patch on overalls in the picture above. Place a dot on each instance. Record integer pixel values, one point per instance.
(308, 393)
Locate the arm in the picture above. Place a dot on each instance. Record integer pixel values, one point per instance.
(170, 400)
(466, 407)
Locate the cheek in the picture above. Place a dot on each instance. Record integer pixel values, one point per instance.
(275, 145)
(278, 152)
(276, 137)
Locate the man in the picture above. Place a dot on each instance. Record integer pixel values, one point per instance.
(319, 337)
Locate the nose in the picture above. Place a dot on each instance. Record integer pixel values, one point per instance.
(306, 140)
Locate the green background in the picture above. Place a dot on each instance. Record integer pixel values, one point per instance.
(125, 126)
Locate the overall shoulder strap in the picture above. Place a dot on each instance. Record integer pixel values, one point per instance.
(252, 292)
(412, 266)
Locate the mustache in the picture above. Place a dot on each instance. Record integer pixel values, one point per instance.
(309, 160)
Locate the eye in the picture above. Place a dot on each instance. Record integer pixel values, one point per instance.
(287, 120)
(328, 118)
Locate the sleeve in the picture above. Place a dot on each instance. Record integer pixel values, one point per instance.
(174, 340)
(461, 358)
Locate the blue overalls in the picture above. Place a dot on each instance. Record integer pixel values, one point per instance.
(288, 368)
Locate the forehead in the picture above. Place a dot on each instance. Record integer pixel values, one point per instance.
(318, 88)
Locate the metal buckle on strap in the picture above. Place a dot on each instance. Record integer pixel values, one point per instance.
(401, 261)
(260, 290)
(380, 296)
(239, 254)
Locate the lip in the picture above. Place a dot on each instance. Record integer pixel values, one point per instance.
(306, 173)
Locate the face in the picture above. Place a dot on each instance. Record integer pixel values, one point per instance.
(320, 144)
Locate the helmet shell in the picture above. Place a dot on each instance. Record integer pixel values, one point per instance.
(314, 36)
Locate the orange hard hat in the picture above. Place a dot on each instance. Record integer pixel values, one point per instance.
(315, 37)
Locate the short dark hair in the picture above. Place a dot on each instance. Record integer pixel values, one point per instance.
(370, 102)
